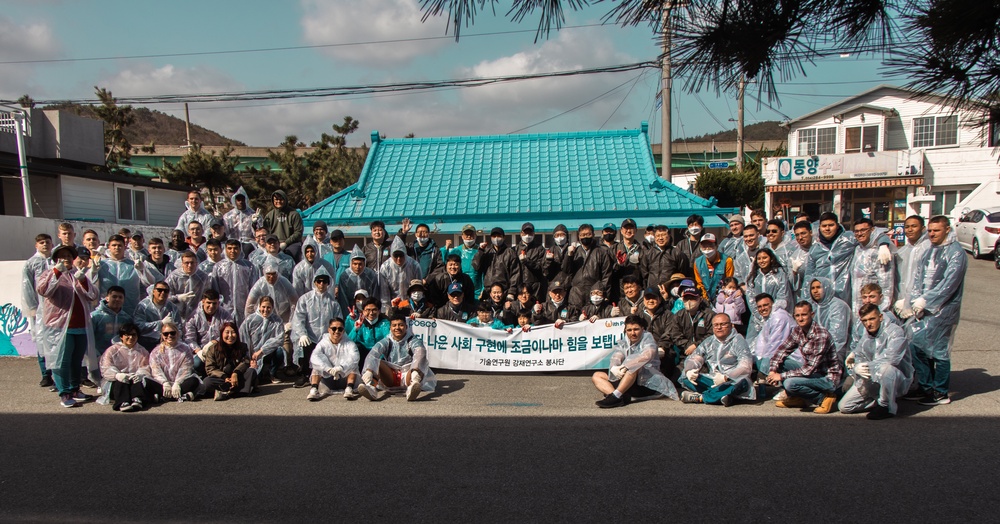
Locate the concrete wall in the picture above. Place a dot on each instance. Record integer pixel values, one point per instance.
(19, 234)
(60, 134)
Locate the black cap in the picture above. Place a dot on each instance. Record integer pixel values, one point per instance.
(72, 251)
(320, 225)
(528, 226)
(628, 222)
(271, 238)
(336, 234)
(497, 231)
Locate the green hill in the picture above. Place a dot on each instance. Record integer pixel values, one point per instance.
(152, 126)
(768, 130)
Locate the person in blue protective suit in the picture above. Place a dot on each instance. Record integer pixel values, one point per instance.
(31, 301)
(718, 371)
(807, 261)
(634, 371)
(832, 313)
(880, 365)
(839, 245)
(936, 303)
(302, 273)
(915, 231)
(118, 270)
(264, 334)
(106, 320)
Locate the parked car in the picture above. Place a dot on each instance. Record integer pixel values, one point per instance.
(996, 254)
(978, 231)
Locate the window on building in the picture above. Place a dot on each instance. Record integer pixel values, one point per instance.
(945, 201)
(931, 131)
(131, 205)
(861, 139)
(817, 141)
(994, 140)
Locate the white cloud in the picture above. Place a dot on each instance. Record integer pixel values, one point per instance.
(348, 21)
(32, 41)
(145, 79)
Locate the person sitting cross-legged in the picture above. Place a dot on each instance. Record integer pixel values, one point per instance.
(635, 369)
(718, 370)
(334, 364)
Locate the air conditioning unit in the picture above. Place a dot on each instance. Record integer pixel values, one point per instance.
(923, 190)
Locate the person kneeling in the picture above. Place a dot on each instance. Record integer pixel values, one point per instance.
(881, 365)
(718, 370)
(635, 369)
(334, 364)
(227, 366)
(126, 374)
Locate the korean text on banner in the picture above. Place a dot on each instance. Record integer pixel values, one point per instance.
(577, 346)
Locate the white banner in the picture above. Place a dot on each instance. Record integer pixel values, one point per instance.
(577, 346)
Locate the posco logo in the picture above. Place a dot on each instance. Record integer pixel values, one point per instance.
(424, 323)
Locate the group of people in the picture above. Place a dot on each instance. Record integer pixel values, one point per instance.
(249, 298)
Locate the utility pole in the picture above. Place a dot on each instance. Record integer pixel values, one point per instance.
(187, 123)
(739, 123)
(19, 131)
(666, 153)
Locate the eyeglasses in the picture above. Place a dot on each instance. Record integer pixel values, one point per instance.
(336, 329)
(720, 325)
(160, 290)
(169, 334)
(769, 231)
(862, 230)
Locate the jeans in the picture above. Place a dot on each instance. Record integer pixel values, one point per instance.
(764, 365)
(931, 374)
(46, 372)
(812, 388)
(69, 370)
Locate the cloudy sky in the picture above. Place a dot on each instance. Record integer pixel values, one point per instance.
(54, 50)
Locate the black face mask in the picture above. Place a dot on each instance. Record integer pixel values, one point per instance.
(609, 237)
(587, 242)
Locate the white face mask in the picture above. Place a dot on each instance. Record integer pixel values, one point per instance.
(417, 296)
(527, 238)
(497, 242)
(360, 304)
(691, 305)
(596, 300)
(557, 304)
(423, 240)
(560, 241)
(709, 253)
(694, 231)
(650, 238)
(675, 292)
(469, 242)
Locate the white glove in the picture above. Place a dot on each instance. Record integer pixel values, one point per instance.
(718, 379)
(899, 305)
(616, 311)
(185, 296)
(905, 314)
(80, 274)
(549, 255)
(633, 258)
(521, 257)
(918, 306)
(368, 377)
(288, 326)
(863, 370)
(121, 377)
(139, 264)
(692, 375)
(884, 256)
(175, 391)
(336, 372)
(796, 265)
(282, 246)
(168, 390)
(583, 316)
(618, 371)
(133, 378)
(303, 341)
(256, 217)
(538, 308)
(61, 266)
(849, 361)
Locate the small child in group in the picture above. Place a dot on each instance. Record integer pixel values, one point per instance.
(598, 307)
(484, 318)
(730, 301)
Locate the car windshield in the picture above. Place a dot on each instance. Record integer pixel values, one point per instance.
(993, 217)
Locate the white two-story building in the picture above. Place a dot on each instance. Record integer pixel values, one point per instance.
(886, 154)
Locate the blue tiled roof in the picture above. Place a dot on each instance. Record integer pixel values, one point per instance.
(568, 178)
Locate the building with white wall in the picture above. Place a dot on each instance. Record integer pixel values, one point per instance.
(885, 154)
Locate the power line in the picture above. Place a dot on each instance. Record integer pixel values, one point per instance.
(624, 98)
(274, 49)
(570, 110)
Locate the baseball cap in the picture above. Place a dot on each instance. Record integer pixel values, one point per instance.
(628, 222)
(610, 226)
(690, 292)
(271, 238)
(336, 234)
(556, 285)
(468, 227)
(497, 231)
(650, 291)
(454, 287)
(528, 226)
(708, 237)
(415, 283)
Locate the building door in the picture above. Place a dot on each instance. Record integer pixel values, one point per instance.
(884, 206)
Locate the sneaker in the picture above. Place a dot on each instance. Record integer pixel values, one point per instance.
(80, 396)
(313, 395)
(611, 401)
(690, 397)
(87, 383)
(412, 391)
(781, 395)
(137, 403)
(46, 382)
(915, 395)
(349, 393)
(935, 398)
(126, 407)
(727, 400)
(302, 381)
(879, 412)
(792, 402)
(187, 397)
(828, 404)
(221, 395)
(67, 401)
(368, 391)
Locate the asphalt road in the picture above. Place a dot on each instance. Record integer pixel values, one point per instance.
(496, 448)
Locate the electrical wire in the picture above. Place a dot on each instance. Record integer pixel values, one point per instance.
(570, 110)
(637, 78)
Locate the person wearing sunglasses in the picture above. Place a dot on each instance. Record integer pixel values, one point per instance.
(334, 364)
(152, 311)
(873, 263)
(172, 364)
(778, 242)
